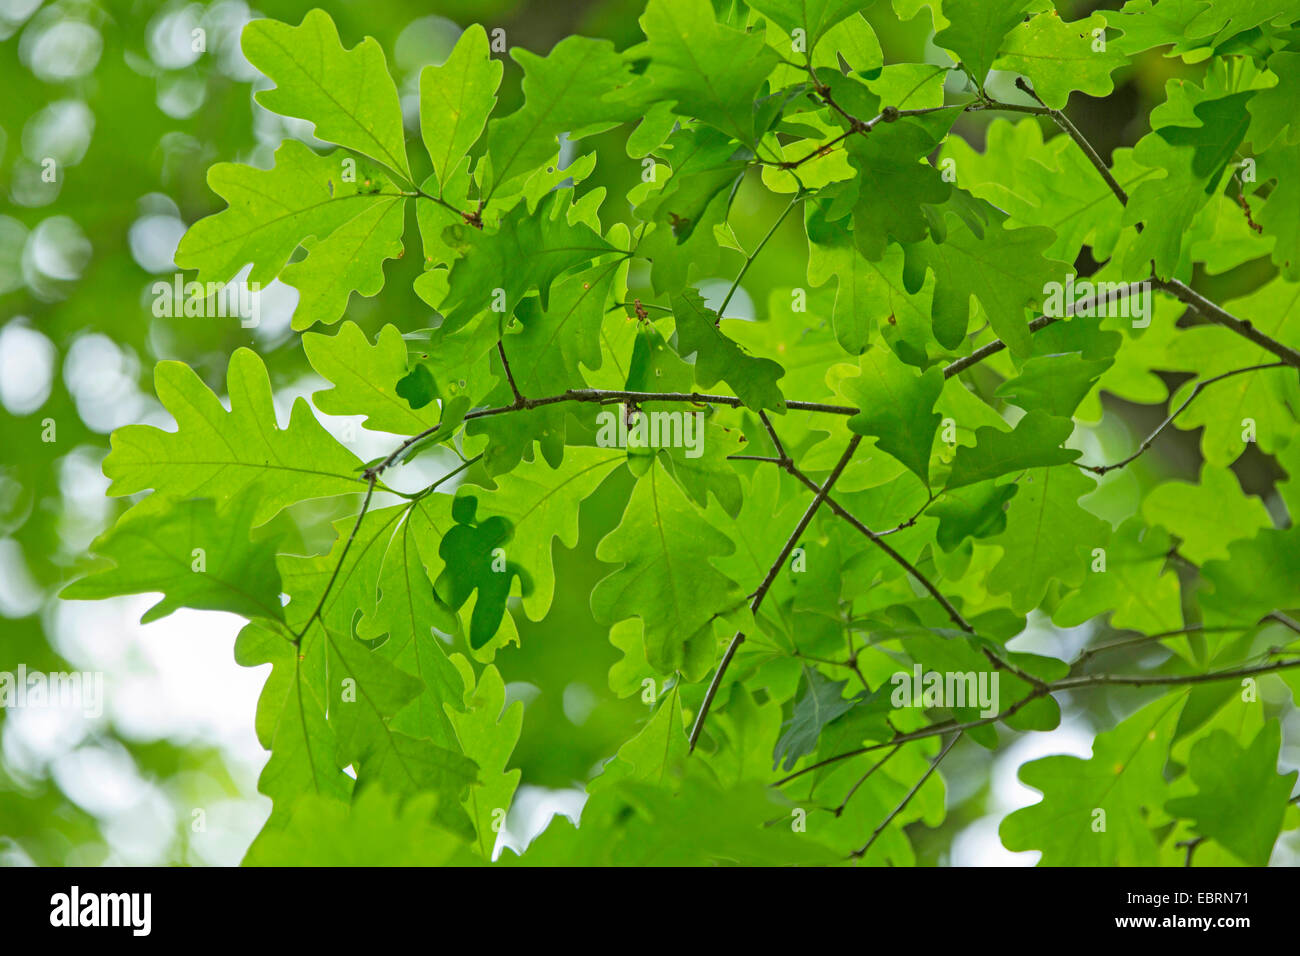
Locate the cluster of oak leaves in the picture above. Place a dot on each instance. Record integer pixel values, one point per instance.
(910, 511)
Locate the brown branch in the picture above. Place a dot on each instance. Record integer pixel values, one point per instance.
(610, 396)
(875, 539)
(1220, 316)
(1065, 683)
(1150, 439)
(1285, 620)
(1191, 846)
(1157, 680)
(1181, 290)
(510, 376)
(934, 765)
(782, 455)
(839, 811)
(763, 588)
(371, 478)
(1091, 652)
(1041, 322)
(1080, 140)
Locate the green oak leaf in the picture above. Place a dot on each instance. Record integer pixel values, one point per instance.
(705, 164)
(1165, 207)
(547, 356)
(868, 294)
(975, 511)
(1005, 269)
(1054, 384)
(1247, 585)
(527, 252)
(350, 259)
(393, 589)
(1048, 537)
(291, 723)
(582, 83)
(1274, 111)
(897, 407)
(271, 212)
(1280, 217)
(475, 560)
(1047, 183)
(348, 94)
(821, 701)
(378, 830)
(665, 548)
(1134, 584)
(702, 467)
(1033, 443)
(1207, 516)
(364, 692)
(1252, 407)
(711, 71)
(743, 730)
(656, 754)
(1224, 122)
(1060, 57)
(895, 184)
(1227, 19)
(814, 17)
(1196, 133)
(1151, 23)
(976, 30)
(196, 556)
(417, 387)
(1099, 811)
(654, 365)
(456, 99)
(713, 827)
(375, 586)
(488, 731)
(1241, 798)
(366, 379)
(540, 505)
(718, 358)
(219, 454)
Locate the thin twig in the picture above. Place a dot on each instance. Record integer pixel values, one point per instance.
(372, 478)
(863, 779)
(916, 516)
(1221, 316)
(749, 259)
(934, 764)
(1158, 680)
(781, 454)
(347, 545)
(510, 376)
(1150, 439)
(1181, 290)
(611, 396)
(1085, 304)
(875, 538)
(1092, 652)
(1066, 683)
(1191, 846)
(1080, 140)
(1285, 620)
(763, 588)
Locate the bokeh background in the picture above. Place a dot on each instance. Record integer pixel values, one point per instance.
(132, 115)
